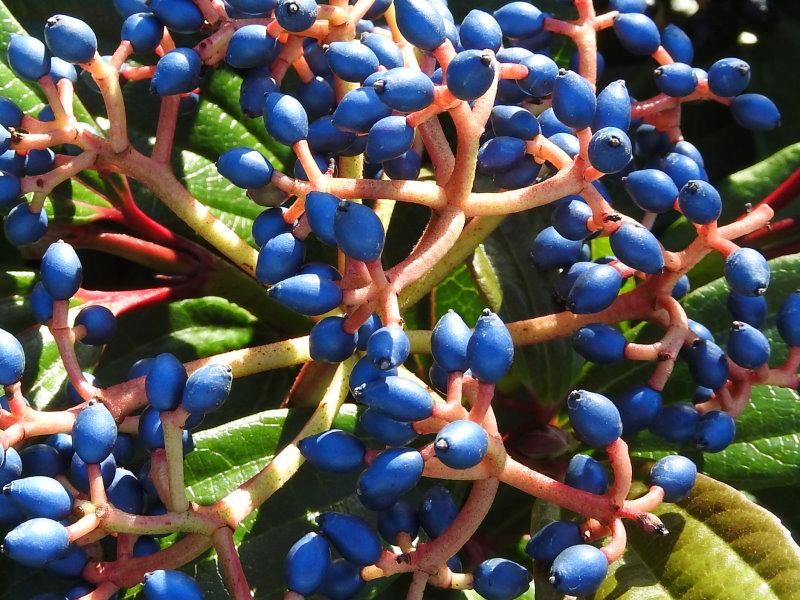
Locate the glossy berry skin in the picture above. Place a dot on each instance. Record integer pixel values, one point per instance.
(585, 473)
(389, 138)
(100, 324)
(637, 33)
(747, 272)
(61, 271)
(449, 342)
(10, 115)
(400, 398)
(280, 258)
(309, 294)
(126, 493)
(306, 564)
(519, 20)
(39, 496)
(541, 78)
(470, 74)
(594, 417)
(245, 168)
(579, 570)
(400, 518)
(285, 118)
(500, 154)
(638, 248)
(420, 23)
(70, 39)
(11, 468)
(700, 202)
(569, 219)
(36, 542)
(676, 475)
(296, 15)
(181, 16)
(41, 459)
(480, 31)
(574, 102)
(490, 351)
(171, 585)
(391, 474)
(144, 31)
(94, 433)
(651, 190)
(351, 61)
(250, 47)
(165, 382)
(28, 57)
(681, 287)
(359, 110)
(552, 251)
(385, 429)
(700, 330)
(388, 347)
(329, 342)
(437, 510)
(358, 231)
(71, 564)
(10, 188)
(177, 72)
(387, 52)
(207, 388)
(335, 451)
(715, 431)
(552, 539)
(676, 422)
(12, 359)
(755, 112)
(404, 89)
(747, 346)
(788, 319)
(321, 210)
(514, 121)
(461, 444)
(638, 407)
(594, 290)
(599, 343)
(610, 150)
(500, 579)
(749, 309)
(677, 43)
(256, 84)
(342, 581)
(613, 107)
(680, 168)
(676, 80)
(352, 536)
(729, 77)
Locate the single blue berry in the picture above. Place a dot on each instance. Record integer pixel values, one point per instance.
(70, 39)
(747, 346)
(207, 388)
(329, 342)
(41, 459)
(359, 231)
(359, 110)
(385, 429)
(171, 585)
(385, 49)
(36, 542)
(594, 417)
(552, 539)
(354, 538)
(245, 168)
(402, 517)
(579, 570)
(729, 77)
(638, 407)
(144, 31)
(94, 433)
(461, 444)
(675, 79)
(638, 248)
(637, 33)
(500, 579)
(755, 112)
(676, 475)
(165, 382)
(574, 102)
(393, 473)
(437, 510)
(181, 16)
(388, 347)
(788, 319)
(599, 343)
(449, 342)
(715, 431)
(285, 118)
(12, 359)
(587, 474)
(677, 43)
(400, 398)
(335, 451)
(39, 496)
(389, 138)
(28, 57)
(748, 309)
(747, 272)
(652, 190)
(550, 250)
(308, 294)
(177, 72)
(594, 289)
(519, 20)
(490, 350)
(306, 564)
(700, 202)
(61, 271)
(99, 322)
(420, 23)
(610, 150)
(249, 47)
(676, 422)
(343, 579)
(470, 74)
(613, 107)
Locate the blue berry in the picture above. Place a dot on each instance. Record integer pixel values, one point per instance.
(700, 202)
(250, 47)
(500, 154)
(385, 49)
(61, 271)
(747, 272)
(177, 72)
(480, 31)
(521, 175)
(145, 546)
(70, 39)
(788, 319)
(358, 230)
(181, 16)
(449, 342)
(676, 422)
(165, 382)
(41, 459)
(461, 444)
(652, 190)
(680, 168)
(747, 346)
(317, 97)
(613, 107)
(420, 23)
(638, 248)
(755, 112)
(579, 570)
(124, 448)
(552, 251)
(552, 539)
(269, 224)
(437, 510)
(335, 451)
(404, 89)
(594, 417)
(28, 57)
(329, 342)
(280, 258)
(126, 493)
(352, 536)
(306, 563)
(342, 581)
(296, 15)
(676, 475)
(500, 579)
(207, 388)
(638, 408)
(171, 585)
(729, 77)
(599, 343)
(405, 166)
(400, 398)
(359, 110)
(389, 138)
(594, 289)
(393, 473)
(388, 347)
(700, 330)
(11, 468)
(36, 542)
(574, 102)
(73, 396)
(676, 79)
(10, 114)
(470, 74)
(99, 322)
(12, 359)
(144, 31)
(308, 294)
(94, 433)
(519, 20)
(681, 287)
(490, 351)
(285, 118)
(677, 43)
(707, 364)
(628, 6)
(402, 517)
(385, 429)
(39, 162)
(71, 564)
(610, 150)
(715, 431)
(587, 474)
(541, 78)
(40, 496)
(551, 125)
(514, 121)
(255, 85)
(637, 33)
(324, 137)
(245, 168)
(351, 61)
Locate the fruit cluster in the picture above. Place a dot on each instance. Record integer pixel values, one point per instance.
(374, 77)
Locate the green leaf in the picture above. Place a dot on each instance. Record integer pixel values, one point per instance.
(765, 451)
(546, 369)
(457, 291)
(721, 546)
